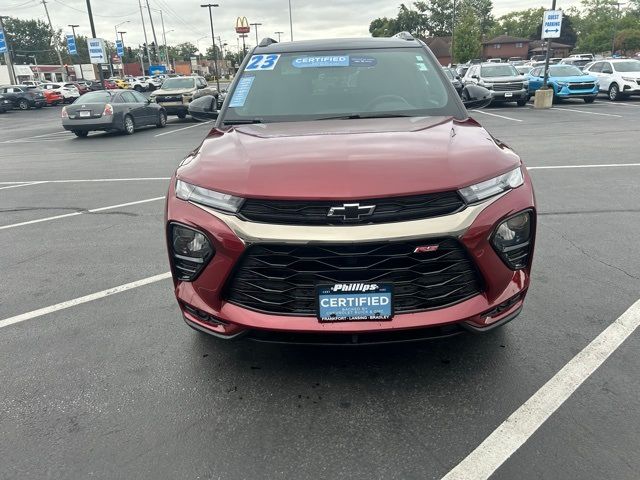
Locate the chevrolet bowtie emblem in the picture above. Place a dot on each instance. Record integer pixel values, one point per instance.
(351, 211)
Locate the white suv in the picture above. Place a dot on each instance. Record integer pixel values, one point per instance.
(139, 84)
(618, 77)
(68, 91)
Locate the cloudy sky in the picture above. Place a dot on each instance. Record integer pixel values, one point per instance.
(185, 21)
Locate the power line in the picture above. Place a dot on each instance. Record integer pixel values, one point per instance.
(103, 16)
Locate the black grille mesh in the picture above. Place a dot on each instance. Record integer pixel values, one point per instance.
(282, 279)
(397, 209)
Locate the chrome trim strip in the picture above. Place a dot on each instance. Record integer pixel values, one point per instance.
(449, 225)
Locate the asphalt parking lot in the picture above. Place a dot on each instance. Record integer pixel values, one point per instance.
(114, 385)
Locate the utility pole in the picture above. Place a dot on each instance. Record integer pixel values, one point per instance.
(256, 25)
(164, 40)
(278, 33)
(7, 55)
(93, 35)
(144, 30)
(211, 6)
(290, 21)
(153, 30)
(55, 43)
(615, 27)
(453, 35)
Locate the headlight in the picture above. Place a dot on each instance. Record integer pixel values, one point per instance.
(486, 85)
(512, 240)
(629, 79)
(489, 188)
(562, 84)
(221, 201)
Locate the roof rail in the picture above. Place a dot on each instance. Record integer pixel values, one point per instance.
(404, 36)
(265, 42)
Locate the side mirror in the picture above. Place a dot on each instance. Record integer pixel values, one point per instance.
(475, 76)
(474, 96)
(204, 108)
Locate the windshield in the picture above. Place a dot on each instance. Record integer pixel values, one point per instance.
(449, 74)
(177, 83)
(565, 71)
(630, 66)
(499, 71)
(347, 83)
(94, 97)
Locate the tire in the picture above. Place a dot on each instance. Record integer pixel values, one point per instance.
(182, 115)
(80, 133)
(522, 102)
(162, 119)
(38, 107)
(589, 99)
(614, 92)
(23, 105)
(128, 127)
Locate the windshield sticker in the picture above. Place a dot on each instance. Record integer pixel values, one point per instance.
(242, 91)
(363, 62)
(422, 67)
(262, 62)
(324, 61)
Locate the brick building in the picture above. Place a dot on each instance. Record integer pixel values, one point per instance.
(505, 47)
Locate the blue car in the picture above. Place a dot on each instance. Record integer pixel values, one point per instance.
(567, 81)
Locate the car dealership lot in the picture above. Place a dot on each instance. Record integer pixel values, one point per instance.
(117, 386)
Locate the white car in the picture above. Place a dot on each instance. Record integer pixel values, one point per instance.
(139, 84)
(618, 77)
(68, 91)
(32, 83)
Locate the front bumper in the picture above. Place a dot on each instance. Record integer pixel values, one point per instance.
(566, 92)
(512, 96)
(204, 306)
(630, 88)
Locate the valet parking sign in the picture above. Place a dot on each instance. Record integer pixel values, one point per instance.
(551, 24)
(97, 53)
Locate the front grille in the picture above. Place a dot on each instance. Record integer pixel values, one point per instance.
(581, 86)
(282, 279)
(168, 98)
(398, 209)
(507, 87)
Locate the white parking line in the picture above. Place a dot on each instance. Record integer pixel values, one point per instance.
(523, 423)
(75, 214)
(496, 115)
(87, 298)
(183, 128)
(585, 111)
(83, 180)
(27, 184)
(604, 165)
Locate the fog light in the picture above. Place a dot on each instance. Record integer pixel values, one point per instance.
(512, 240)
(190, 250)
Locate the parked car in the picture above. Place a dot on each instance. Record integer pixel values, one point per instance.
(5, 104)
(455, 79)
(461, 70)
(23, 97)
(52, 97)
(68, 91)
(505, 82)
(494, 60)
(109, 84)
(112, 110)
(120, 83)
(81, 87)
(154, 82)
(92, 85)
(566, 81)
(523, 69)
(619, 78)
(432, 222)
(139, 84)
(32, 83)
(176, 94)
(538, 58)
(583, 56)
(576, 62)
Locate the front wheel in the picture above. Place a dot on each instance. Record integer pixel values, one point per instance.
(522, 102)
(23, 105)
(589, 99)
(614, 92)
(162, 120)
(182, 115)
(128, 125)
(80, 133)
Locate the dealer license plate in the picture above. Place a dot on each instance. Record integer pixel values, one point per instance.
(508, 94)
(352, 302)
(85, 113)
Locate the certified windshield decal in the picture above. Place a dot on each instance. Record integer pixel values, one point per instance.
(262, 62)
(321, 61)
(242, 91)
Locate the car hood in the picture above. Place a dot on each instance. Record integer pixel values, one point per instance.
(574, 79)
(347, 159)
(519, 78)
(629, 74)
(173, 91)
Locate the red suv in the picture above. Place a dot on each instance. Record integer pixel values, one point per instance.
(345, 196)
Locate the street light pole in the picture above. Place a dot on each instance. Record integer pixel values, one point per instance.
(256, 25)
(290, 21)
(55, 44)
(278, 33)
(144, 30)
(73, 30)
(93, 35)
(615, 27)
(453, 35)
(153, 30)
(211, 6)
(121, 60)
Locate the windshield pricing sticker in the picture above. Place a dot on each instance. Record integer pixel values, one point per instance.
(262, 62)
(242, 91)
(323, 61)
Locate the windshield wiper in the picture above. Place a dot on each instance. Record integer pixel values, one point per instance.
(242, 121)
(356, 116)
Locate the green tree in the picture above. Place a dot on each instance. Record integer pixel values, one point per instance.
(32, 37)
(483, 12)
(209, 53)
(520, 23)
(628, 41)
(468, 35)
(183, 51)
(383, 27)
(437, 16)
(408, 20)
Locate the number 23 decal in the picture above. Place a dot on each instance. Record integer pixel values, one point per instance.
(262, 62)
